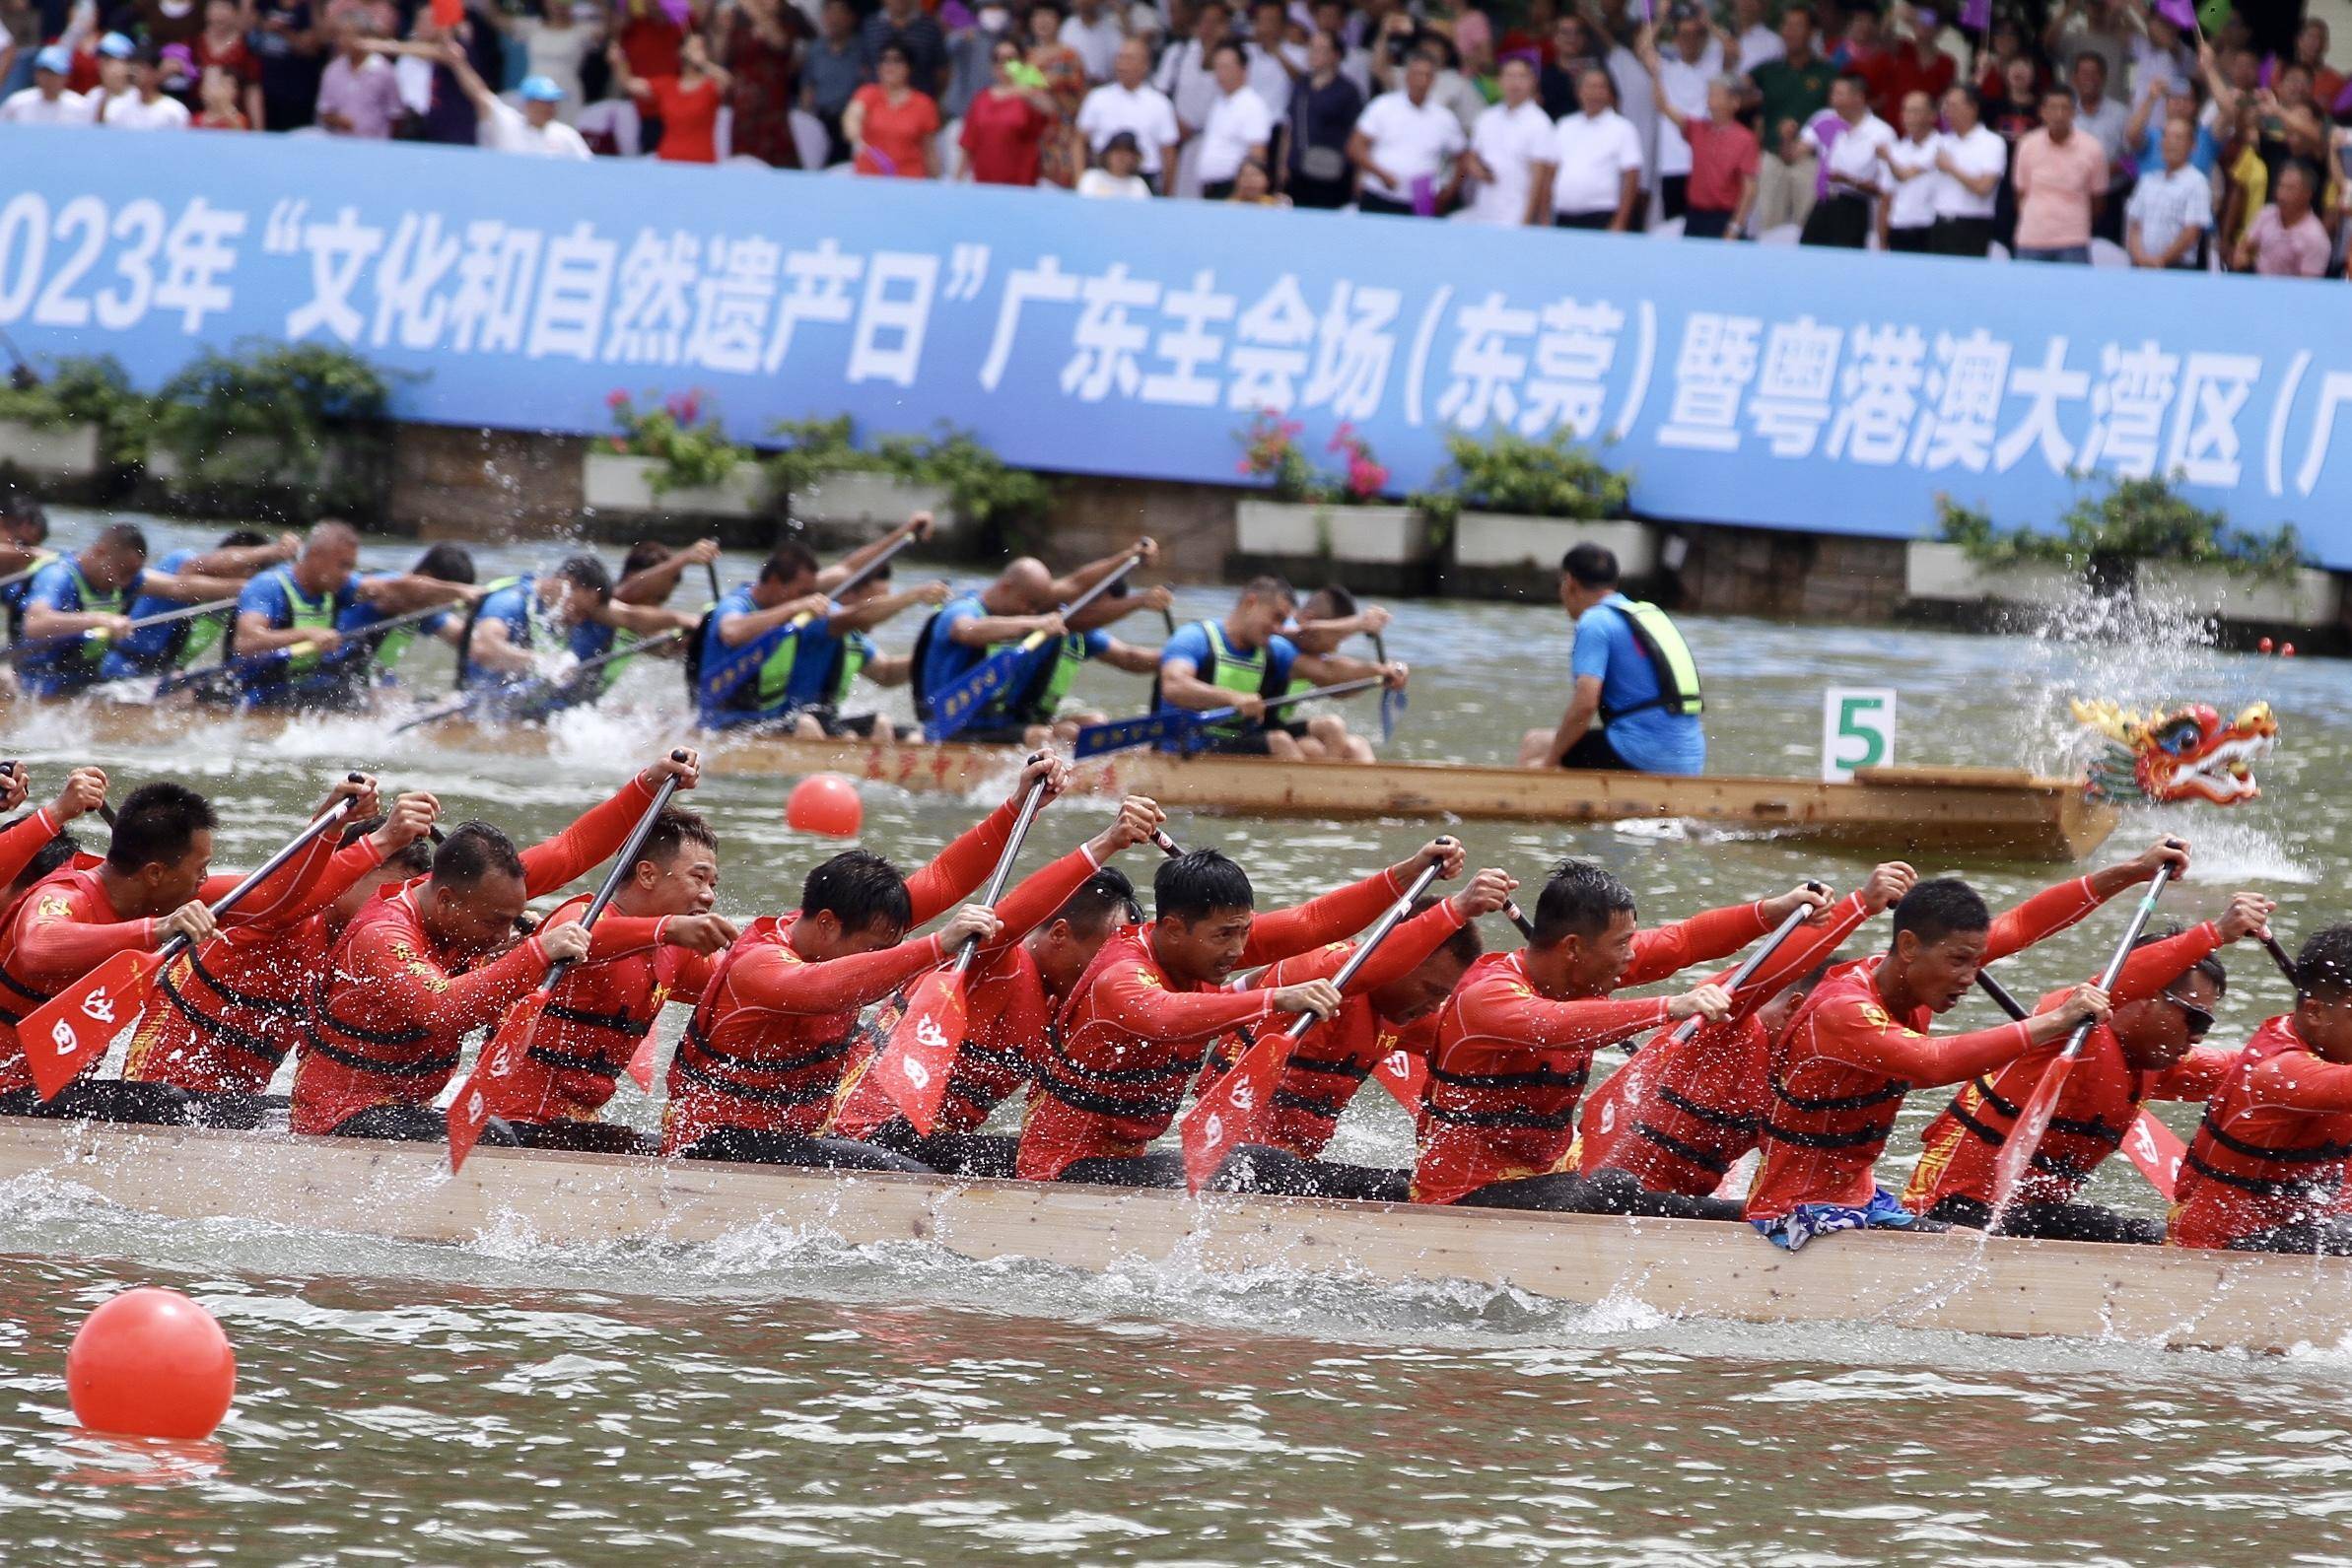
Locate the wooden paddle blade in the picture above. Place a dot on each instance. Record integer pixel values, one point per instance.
(503, 1063)
(1147, 729)
(1404, 1075)
(1228, 1114)
(915, 1064)
(64, 1035)
(2025, 1139)
(2158, 1152)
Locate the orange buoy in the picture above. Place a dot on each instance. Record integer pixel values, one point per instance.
(151, 1363)
(826, 803)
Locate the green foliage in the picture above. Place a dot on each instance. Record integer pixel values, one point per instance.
(85, 389)
(270, 419)
(2136, 519)
(1270, 450)
(1505, 472)
(980, 485)
(693, 450)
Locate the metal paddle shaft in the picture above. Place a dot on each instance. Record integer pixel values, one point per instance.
(1754, 961)
(1181, 725)
(1365, 949)
(2122, 955)
(2000, 995)
(186, 612)
(2153, 1149)
(622, 866)
(269, 867)
(970, 947)
(475, 699)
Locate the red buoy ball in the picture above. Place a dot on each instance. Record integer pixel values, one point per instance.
(826, 803)
(2287, 650)
(2263, 646)
(151, 1363)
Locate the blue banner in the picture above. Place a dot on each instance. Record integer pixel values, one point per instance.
(1825, 391)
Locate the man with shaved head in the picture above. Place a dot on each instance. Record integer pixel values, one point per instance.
(283, 648)
(1027, 597)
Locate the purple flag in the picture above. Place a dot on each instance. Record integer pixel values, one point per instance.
(1424, 197)
(1976, 15)
(2180, 12)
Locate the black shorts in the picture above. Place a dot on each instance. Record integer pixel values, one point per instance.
(1253, 744)
(866, 727)
(1013, 734)
(1593, 751)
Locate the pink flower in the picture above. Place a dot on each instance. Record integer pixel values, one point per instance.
(689, 408)
(616, 400)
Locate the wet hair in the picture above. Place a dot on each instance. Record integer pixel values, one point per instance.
(241, 539)
(786, 561)
(446, 563)
(414, 858)
(471, 852)
(157, 824)
(1465, 944)
(25, 512)
(2210, 966)
(1199, 883)
(53, 856)
(1270, 586)
(644, 556)
(1101, 901)
(858, 887)
(124, 536)
(1343, 603)
(1579, 899)
(1592, 566)
(589, 573)
(673, 830)
(1941, 907)
(2323, 969)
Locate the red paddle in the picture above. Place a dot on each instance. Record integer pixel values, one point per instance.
(2156, 1149)
(2016, 1151)
(1224, 1118)
(508, 1055)
(916, 1062)
(71, 1030)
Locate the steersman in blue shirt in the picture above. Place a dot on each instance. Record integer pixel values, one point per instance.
(1632, 672)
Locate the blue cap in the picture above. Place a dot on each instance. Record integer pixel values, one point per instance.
(115, 47)
(541, 89)
(56, 57)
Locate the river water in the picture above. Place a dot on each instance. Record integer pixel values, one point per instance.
(779, 1395)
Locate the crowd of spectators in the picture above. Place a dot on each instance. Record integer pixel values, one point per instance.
(2118, 130)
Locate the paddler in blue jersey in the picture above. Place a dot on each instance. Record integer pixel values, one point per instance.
(528, 632)
(80, 607)
(180, 645)
(1633, 673)
(1025, 598)
(443, 563)
(285, 649)
(1244, 660)
(1329, 618)
(834, 653)
(745, 663)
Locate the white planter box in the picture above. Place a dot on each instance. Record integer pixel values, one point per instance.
(252, 458)
(1494, 540)
(617, 482)
(1944, 573)
(2304, 597)
(1302, 530)
(866, 503)
(66, 450)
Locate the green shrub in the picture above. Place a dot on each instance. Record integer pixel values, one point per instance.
(1505, 472)
(2135, 519)
(693, 450)
(980, 485)
(87, 389)
(257, 424)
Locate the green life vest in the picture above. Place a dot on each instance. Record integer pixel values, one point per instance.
(309, 615)
(849, 663)
(1670, 659)
(1037, 702)
(624, 645)
(1235, 671)
(203, 635)
(93, 649)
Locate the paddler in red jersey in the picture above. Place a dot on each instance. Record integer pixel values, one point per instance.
(754, 1077)
(1387, 1020)
(1053, 925)
(223, 1016)
(1860, 1044)
(36, 845)
(1516, 1040)
(656, 943)
(1137, 1025)
(2265, 1172)
(153, 885)
(1681, 1113)
(426, 962)
(2163, 1002)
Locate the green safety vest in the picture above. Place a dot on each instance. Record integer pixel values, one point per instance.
(623, 643)
(1670, 658)
(775, 670)
(204, 635)
(855, 652)
(93, 649)
(1233, 672)
(1039, 701)
(309, 615)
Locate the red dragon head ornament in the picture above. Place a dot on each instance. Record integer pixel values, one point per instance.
(2188, 753)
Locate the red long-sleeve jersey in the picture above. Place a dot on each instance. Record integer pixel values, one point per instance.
(1007, 1009)
(766, 1048)
(24, 839)
(2101, 1100)
(1510, 1062)
(1680, 1112)
(1131, 1038)
(1838, 1076)
(2273, 1148)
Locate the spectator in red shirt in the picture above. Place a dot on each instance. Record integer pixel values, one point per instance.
(1724, 157)
(221, 45)
(1006, 127)
(219, 94)
(893, 126)
(686, 105)
(1913, 64)
(650, 40)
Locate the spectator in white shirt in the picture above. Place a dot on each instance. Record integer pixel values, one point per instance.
(1757, 39)
(1273, 61)
(1592, 177)
(1184, 74)
(1128, 103)
(2171, 207)
(1849, 138)
(1907, 218)
(47, 101)
(1093, 29)
(1407, 146)
(532, 130)
(1684, 72)
(1509, 139)
(1116, 177)
(146, 107)
(1239, 125)
(1970, 160)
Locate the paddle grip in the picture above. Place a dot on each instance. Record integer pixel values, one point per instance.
(269, 867)
(1165, 844)
(1753, 961)
(622, 865)
(1372, 939)
(2000, 995)
(1518, 917)
(2279, 956)
(2123, 954)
